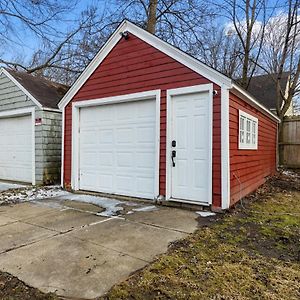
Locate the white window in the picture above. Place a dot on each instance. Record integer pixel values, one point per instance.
(248, 131)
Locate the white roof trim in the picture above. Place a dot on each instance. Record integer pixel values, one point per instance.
(152, 40)
(21, 87)
(252, 101)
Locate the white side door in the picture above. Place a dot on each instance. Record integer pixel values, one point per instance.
(190, 147)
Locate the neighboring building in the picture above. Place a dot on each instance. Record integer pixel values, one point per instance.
(263, 88)
(147, 120)
(30, 128)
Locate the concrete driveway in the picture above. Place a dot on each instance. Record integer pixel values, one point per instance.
(73, 249)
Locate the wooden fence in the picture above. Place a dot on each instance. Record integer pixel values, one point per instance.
(289, 143)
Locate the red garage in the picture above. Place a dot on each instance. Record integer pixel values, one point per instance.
(147, 120)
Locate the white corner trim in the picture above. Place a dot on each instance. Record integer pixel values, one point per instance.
(225, 149)
(23, 112)
(154, 94)
(182, 91)
(152, 40)
(33, 145)
(240, 92)
(20, 86)
(62, 148)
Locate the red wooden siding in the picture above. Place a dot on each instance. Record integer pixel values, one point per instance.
(135, 66)
(250, 167)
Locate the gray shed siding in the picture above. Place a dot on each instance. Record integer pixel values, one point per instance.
(11, 97)
(48, 147)
(47, 135)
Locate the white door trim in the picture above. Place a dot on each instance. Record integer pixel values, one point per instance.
(153, 94)
(181, 91)
(24, 112)
(225, 149)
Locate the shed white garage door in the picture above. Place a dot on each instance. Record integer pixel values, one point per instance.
(117, 149)
(16, 148)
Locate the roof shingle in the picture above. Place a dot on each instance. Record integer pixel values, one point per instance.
(46, 92)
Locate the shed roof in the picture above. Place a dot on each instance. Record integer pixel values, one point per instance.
(46, 92)
(263, 88)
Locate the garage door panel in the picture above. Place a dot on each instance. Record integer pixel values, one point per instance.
(122, 154)
(16, 148)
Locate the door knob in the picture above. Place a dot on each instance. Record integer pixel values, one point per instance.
(173, 156)
(173, 143)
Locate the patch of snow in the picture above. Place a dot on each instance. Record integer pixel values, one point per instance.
(146, 208)
(289, 173)
(205, 213)
(111, 206)
(4, 186)
(30, 194)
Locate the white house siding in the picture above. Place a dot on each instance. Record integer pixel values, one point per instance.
(47, 135)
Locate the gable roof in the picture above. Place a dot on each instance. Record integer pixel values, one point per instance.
(152, 40)
(175, 53)
(263, 88)
(44, 93)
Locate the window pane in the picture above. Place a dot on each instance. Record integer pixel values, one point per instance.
(254, 133)
(242, 120)
(241, 136)
(253, 126)
(248, 138)
(248, 125)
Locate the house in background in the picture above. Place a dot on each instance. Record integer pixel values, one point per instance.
(263, 88)
(146, 120)
(30, 128)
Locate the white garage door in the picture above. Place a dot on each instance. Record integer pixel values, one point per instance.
(16, 148)
(117, 149)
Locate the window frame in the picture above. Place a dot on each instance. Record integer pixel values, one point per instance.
(244, 131)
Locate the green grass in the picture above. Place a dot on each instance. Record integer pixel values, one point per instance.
(252, 253)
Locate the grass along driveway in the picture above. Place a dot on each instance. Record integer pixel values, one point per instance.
(251, 253)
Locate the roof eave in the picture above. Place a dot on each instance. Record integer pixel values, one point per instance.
(243, 94)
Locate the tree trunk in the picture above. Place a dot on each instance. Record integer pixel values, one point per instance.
(151, 22)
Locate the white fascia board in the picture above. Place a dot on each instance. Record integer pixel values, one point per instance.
(154, 41)
(240, 92)
(20, 86)
(52, 109)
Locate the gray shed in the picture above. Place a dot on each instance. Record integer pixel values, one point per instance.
(30, 128)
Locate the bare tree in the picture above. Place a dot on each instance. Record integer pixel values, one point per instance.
(178, 22)
(175, 21)
(286, 57)
(220, 49)
(247, 19)
(31, 19)
(151, 16)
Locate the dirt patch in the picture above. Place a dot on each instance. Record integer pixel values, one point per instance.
(11, 288)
